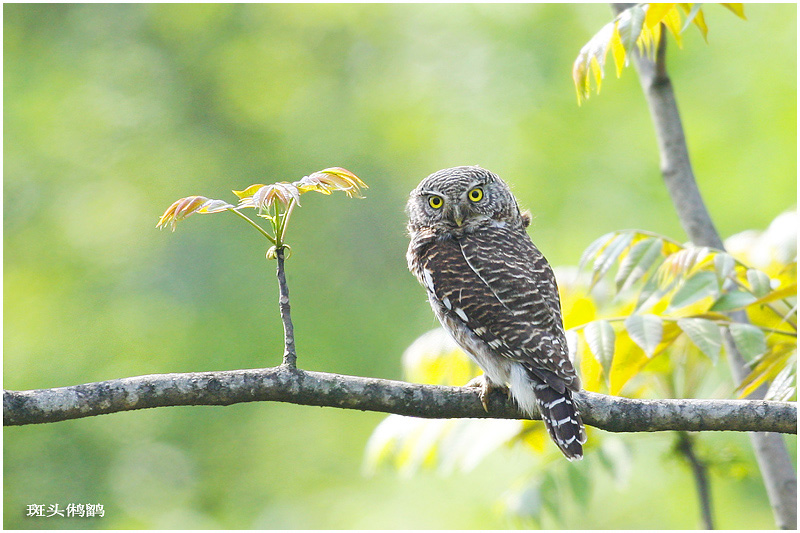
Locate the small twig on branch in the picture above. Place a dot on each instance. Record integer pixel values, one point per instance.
(700, 473)
(284, 384)
(289, 353)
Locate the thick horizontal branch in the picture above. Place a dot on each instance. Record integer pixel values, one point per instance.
(284, 384)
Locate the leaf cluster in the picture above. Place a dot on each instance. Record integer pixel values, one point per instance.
(672, 299)
(274, 202)
(638, 27)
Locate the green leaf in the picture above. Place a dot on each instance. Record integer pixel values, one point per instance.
(646, 331)
(749, 339)
(723, 266)
(681, 263)
(524, 502)
(615, 457)
(650, 288)
(601, 339)
(733, 300)
(579, 483)
(630, 26)
(593, 249)
(609, 256)
(783, 387)
(778, 294)
(759, 282)
(697, 287)
(551, 500)
(640, 258)
(691, 14)
(705, 334)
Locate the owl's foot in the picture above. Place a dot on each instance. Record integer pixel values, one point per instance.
(486, 386)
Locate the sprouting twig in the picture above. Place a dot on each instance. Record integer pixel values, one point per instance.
(289, 354)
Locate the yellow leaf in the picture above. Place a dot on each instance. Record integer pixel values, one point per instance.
(656, 14)
(250, 191)
(578, 74)
(737, 9)
(670, 248)
(597, 70)
(672, 20)
(697, 19)
(711, 315)
(591, 57)
(767, 367)
(656, 38)
(579, 77)
(669, 334)
(534, 435)
(436, 359)
(184, 207)
(628, 361)
(618, 50)
(591, 370)
(648, 39)
(577, 310)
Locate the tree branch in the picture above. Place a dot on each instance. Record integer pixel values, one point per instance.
(285, 384)
(700, 472)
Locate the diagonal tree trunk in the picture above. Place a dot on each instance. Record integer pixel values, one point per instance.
(773, 458)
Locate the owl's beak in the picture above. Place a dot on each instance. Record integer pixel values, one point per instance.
(458, 216)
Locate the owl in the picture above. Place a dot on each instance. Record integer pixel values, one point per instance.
(495, 293)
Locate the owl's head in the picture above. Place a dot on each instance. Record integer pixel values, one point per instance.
(462, 199)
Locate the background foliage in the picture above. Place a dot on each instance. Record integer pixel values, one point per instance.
(113, 111)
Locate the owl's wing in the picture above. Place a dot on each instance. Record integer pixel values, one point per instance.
(517, 274)
(502, 287)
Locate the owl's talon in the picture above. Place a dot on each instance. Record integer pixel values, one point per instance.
(486, 386)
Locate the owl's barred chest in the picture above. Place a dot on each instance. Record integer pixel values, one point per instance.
(495, 273)
(496, 295)
(452, 289)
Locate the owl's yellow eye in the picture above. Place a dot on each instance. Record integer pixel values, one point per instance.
(435, 201)
(476, 194)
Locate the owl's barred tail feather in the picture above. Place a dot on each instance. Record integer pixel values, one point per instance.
(562, 419)
(559, 413)
(558, 410)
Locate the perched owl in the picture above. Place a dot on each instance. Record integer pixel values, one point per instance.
(495, 293)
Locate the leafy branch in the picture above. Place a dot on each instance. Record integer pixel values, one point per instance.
(774, 462)
(637, 28)
(690, 288)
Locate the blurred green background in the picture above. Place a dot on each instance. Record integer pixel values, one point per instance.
(112, 112)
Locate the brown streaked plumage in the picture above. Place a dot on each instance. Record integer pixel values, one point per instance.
(495, 293)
